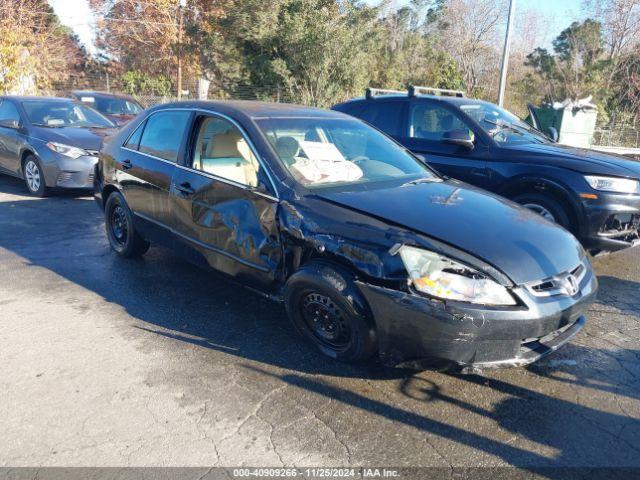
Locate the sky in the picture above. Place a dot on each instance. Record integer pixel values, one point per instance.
(77, 15)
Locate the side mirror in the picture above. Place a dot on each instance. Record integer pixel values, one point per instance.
(460, 138)
(552, 133)
(9, 123)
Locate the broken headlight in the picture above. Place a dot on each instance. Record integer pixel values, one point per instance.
(441, 277)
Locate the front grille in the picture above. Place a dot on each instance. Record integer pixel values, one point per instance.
(64, 177)
(91, 178)
(567, 283)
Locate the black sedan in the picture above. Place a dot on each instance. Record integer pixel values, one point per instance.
(594, 195)
(370, 250)
(50, 142)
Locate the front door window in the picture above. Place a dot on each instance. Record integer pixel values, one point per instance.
(221, 150)
(433, 122)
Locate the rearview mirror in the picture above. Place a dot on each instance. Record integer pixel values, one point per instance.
(10, 123)
(552, 133)
(460, 138)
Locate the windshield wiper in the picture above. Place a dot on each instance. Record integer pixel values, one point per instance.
(418, 181)
(46, 125)
(503, 126)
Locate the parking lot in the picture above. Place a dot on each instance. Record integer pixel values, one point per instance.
(110, 362)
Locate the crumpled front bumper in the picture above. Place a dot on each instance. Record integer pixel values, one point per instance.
(611, 222)
(418, 331)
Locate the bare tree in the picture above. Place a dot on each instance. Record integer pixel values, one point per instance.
(469, 32)
(620, 21)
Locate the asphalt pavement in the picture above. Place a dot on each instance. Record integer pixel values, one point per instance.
(154, 362)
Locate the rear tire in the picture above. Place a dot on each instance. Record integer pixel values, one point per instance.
(123, 237)
(34, 177)
(324, 306)
(546, 206)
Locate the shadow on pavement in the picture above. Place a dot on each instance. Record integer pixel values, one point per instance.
(523, 411)
(622, 294)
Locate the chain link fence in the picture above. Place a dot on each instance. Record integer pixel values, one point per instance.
(193, 89)
(618, 136)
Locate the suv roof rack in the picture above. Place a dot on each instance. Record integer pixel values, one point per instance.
(414, 90)
(372, 92)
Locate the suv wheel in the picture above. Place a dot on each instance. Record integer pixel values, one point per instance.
(546, 206)
(123, 238)
(34, 177)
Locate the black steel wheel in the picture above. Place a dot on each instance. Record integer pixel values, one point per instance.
(327, 309)
(326, 321)
(123, 238)
(119, 225)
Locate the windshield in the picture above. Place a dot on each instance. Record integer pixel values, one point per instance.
(330, 151)
(113, 106)
(503, 126)
(64, 114)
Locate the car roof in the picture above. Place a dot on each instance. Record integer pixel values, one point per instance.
(95, 93)
(21, 98)
(255, 109)
(441, 98)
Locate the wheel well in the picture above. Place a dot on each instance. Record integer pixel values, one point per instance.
(345, 273)
(328, 259)
(544, 188)
(106, 193)
(25, 154)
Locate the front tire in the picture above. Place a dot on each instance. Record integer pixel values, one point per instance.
(34, 177)
(324, 306)
(123, 237)
(547, 207)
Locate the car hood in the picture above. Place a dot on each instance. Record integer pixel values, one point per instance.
(86, 138)
(521, 244)
(120, 120)
(581, 159)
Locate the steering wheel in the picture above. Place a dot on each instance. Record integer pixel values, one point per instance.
(359, 159)
(501, 136)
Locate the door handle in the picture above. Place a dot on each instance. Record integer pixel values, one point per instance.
(126, 164)
(185, 188)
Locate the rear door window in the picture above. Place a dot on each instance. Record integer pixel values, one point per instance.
(386, 116)
(163, 134)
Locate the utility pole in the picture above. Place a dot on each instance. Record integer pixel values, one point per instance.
(505, 54)
(181, 5)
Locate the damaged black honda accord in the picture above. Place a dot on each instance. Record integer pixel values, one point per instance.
(371, 252)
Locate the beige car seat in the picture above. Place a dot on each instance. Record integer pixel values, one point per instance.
(228, 156)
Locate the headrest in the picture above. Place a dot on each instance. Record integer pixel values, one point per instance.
(228, 145)
(287, 147)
